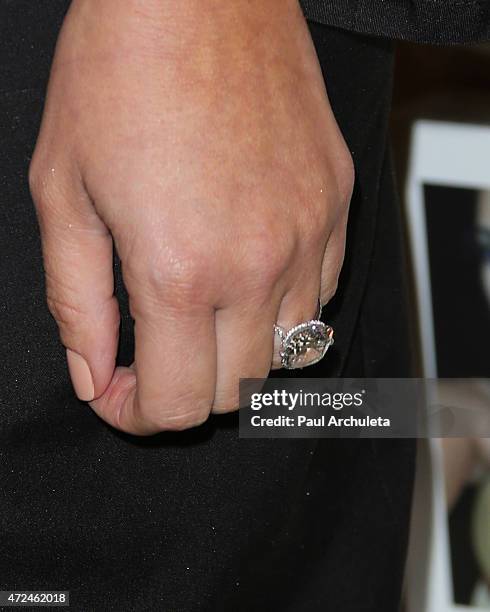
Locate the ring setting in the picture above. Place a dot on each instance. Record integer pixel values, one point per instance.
(304, 344)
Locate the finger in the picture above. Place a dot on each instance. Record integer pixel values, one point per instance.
(171, 385)
(245, 341)
(299, 304)
(77, 252)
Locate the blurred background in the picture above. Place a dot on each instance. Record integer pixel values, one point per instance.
(441, 146)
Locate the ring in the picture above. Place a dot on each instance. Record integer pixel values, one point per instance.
(304, 344)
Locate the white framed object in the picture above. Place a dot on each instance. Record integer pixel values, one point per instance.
(446, 154)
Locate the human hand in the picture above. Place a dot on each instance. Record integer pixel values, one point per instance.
(199, 137)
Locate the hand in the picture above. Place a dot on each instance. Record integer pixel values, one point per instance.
(198, 136)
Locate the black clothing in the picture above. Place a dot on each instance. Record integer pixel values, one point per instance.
(428, 21)
(200, 520)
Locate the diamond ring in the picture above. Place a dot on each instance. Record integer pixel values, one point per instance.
(304, 344)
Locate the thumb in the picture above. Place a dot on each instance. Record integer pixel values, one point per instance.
(77, 252)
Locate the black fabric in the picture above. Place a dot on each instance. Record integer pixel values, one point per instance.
(423, 21)
(200, 520)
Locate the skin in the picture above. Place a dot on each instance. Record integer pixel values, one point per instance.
(198, 138)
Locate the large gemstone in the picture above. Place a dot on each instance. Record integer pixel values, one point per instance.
(306, 344)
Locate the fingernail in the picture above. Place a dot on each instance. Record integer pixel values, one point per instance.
(81, 376)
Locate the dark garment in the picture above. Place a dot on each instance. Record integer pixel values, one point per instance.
(428, 21)
(200, 520)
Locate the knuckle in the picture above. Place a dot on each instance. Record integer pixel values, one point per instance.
(65, 313)
(268, 256)
(173, 273)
